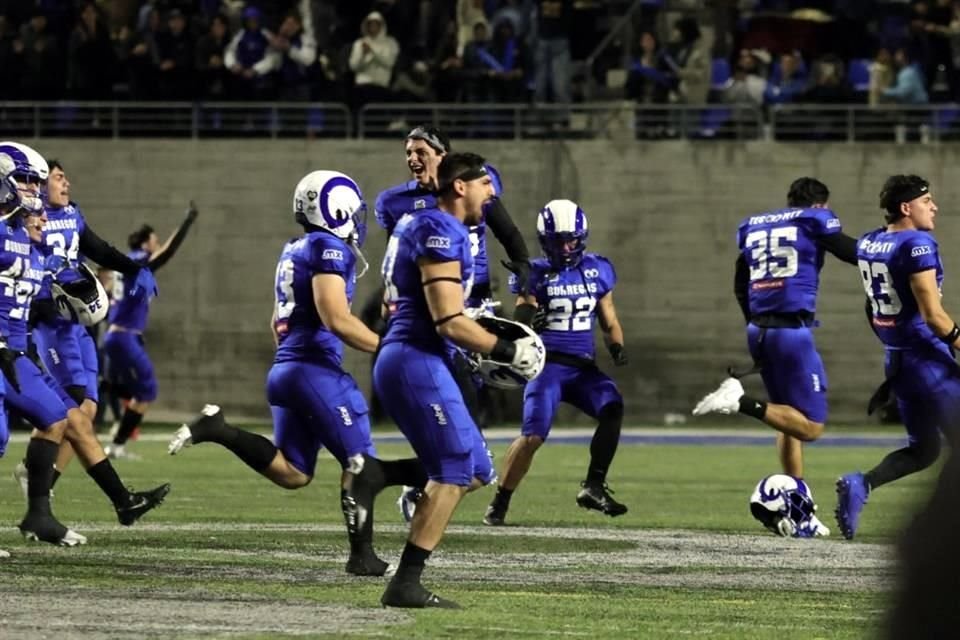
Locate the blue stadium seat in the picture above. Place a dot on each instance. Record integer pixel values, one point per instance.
(713, 118)
(719, 73)
(858, 74)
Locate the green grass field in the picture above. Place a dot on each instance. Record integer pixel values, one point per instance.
(230, 555)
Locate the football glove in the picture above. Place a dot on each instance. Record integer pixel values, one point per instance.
(8, 359)
(55, 264)
(192, 211)
(527, 355)
(619, 354)
(34, 354)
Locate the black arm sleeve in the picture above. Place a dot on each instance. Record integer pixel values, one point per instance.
(506, 232)
(105, 254)
(840, 245)
(164, 257)
(741, 280)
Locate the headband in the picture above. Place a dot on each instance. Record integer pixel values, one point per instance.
(473, 173)
(419, 133)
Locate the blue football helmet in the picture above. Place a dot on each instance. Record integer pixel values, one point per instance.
(562, 231)
(20, 163)
(784, 505)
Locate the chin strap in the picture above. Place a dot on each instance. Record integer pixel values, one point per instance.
(359, 256)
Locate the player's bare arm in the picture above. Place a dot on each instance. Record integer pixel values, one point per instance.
(444, 293)
(927, 293)
(330, 298)
(611, 328)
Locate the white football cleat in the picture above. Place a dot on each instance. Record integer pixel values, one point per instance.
(20, 475)
(6, 554)
(407, 502)
(182, 439)
(725, 400)
(72, 539)
(119, 452)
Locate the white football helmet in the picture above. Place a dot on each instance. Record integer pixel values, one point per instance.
(562, 231)
(18, 161)
(80, 297)
(784, 505)
(498, 374)
(332, 201)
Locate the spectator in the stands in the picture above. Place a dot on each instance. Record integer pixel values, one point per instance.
(90, 57)
(447, 66)
(748, 83)
(40, 59)
(372, 59)
(250, 59)
(788, 79)
(646, 80)
(299, 51)
(210, 59)
(881, 75)
(175, 64)
(687, 60)
(469, 13)
(908, 88)
(552, 53)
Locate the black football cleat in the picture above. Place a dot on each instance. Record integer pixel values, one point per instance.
(140, 503)
(413, 595)
(46, 528)
(596, 496)
(368, 564)
(495, 515)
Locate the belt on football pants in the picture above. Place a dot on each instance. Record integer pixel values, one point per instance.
(570, 360)
(783, 320)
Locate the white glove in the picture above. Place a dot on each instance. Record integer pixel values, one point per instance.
(527, 356)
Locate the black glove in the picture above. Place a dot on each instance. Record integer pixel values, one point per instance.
(522, 271)
(539, 322)
(8, 358)
(192, 212)
(42, 311)
(619, 354)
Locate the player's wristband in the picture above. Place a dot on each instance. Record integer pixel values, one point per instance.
(503, 351)
(951, 337)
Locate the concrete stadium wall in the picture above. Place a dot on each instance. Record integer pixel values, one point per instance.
(665, 213)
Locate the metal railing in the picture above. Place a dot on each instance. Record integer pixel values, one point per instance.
(175, 119)
(618, 120)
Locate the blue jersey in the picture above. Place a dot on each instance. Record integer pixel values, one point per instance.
(410, 198)
(784, 257)
(570, 297)
(302, 335)
(21, 272)
(887, 260)
(434, 235)
(130, 310)
(61, 238)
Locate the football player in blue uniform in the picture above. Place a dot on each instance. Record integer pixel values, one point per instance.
(425, 147)
(777, 277)
(65, 347)
(130, 365)
(427, 272)
(574, 288)
(314, 402)
(32, 393)
(902, 275)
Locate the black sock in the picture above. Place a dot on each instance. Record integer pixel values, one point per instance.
(56, 476)
(903, 462)
(501, 498)
(752, 407)
(605, 441)
(41, 456)
(412, 562)
(408, 472)
(131, 419)
(109, 482)
(256, 451)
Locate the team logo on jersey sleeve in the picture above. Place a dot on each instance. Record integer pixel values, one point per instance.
(419, 203)
(438, 242)
(922, 250)
(332, 254)
(833, 223)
